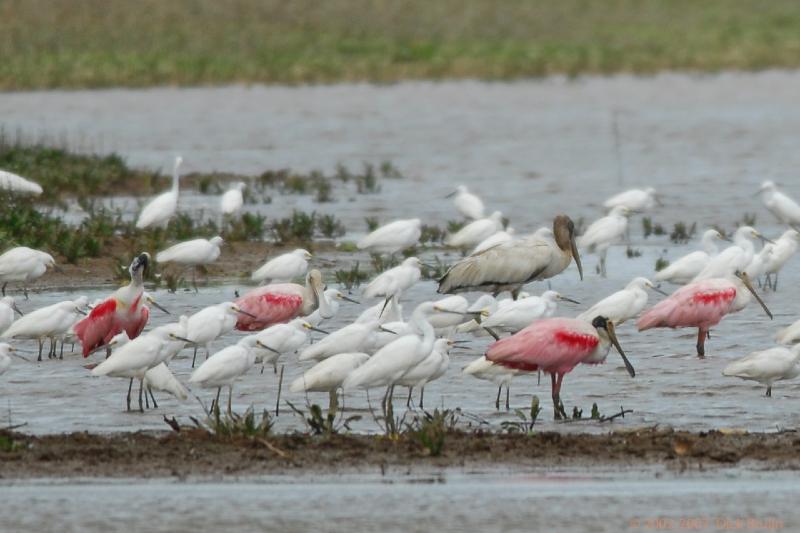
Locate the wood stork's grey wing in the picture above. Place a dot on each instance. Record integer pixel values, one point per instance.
(509, 263)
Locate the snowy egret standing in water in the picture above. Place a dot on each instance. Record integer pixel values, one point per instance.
(23, 264)
(767, 366)
(162, 207)
(467, 203)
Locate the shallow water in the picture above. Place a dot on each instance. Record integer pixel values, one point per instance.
(593, 500)
(532, 149)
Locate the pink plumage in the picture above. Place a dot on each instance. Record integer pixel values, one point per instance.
(554, 345)
(109, 318)
(701, 304)
(271, 304)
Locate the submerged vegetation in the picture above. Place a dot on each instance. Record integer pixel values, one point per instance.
(101, 43)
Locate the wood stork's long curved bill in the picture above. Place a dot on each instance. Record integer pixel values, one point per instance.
(575, 255)
(746, 281)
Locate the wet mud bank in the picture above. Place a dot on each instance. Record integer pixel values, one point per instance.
(196, 453)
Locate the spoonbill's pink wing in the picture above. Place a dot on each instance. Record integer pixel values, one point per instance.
(270, 305)
(134, 327)
(701, 304)
(552, 345)
(93, 331)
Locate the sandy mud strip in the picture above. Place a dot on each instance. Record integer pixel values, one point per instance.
(196, 453)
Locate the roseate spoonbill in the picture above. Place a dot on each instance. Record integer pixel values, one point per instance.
(278, 303)
(23, 264)
(135, 357)
(332, 297)
(685, 269)
(784, 208)
(7, 309)
(636, 200)
(389, 363)
(17, 184)
(51, 322)
(225, 367)
(123, 310)
(789, 334)
(482, 368)
(212, 322)
(162, 207)
(622, 305)
(395, 280)
(732, 258)
(393, 237)
(605, 232)
(233, 199)
(354, 337)
(192, 254)
(328, 375)
(767, 366)
(518, 314)
(702, 304)
(491, 241)
(467, 203)
(556, 346)
(429, 369)
(511, 265)
(283, 268)
(785, 247)
(476, 231)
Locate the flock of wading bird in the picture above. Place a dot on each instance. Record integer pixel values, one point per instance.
(381, 349)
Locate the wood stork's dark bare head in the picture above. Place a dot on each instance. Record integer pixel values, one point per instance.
(564, 232)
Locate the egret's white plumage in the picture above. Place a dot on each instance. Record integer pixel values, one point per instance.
(162, 207)
(17, 184)
(280, 339)
(233, 199)
(758, 265)
(732, 258)
(467, 203)
(210, 323)
(226, 366)
(448, 313)
(516, 315)
(485, 305)
(476, 231)
(383, 312)
(789, 334)
(605, 232)
(493, 240)
(334, 297)
(192, 253)
(23, 264)
(396, 280)
(7, 309)
(393, 237)
(283, 268)
(637, 200)
(482, 368)
(622, 305)
(684, 270)
(328, 374)
(5, 358)
(429, 369)
(767, 366)
(784, 208)
(783, 249)
(354, 337)
(50, 322)
(160, 378)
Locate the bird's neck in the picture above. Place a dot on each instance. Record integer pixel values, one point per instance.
(421, 325)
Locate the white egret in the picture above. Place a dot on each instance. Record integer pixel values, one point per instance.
(23, 265)
(789, 334)
(622, 305)
(282, 338)
(476, 231)
(160, 378)
(162, 207)
(482, 368)
(511, 265)
(605, 232)
(354, 337)
(684, 270)
(396, 280)
(191, 254)
(393, 237)
(758, 265)
(283, 268)
(516, 315)
(328, 375)
(333, 297)
(17, 184)
(210, 323)
(767, 366)
(485, 305)
(448, 313)
(50, 322)
(784, 208)
(467, 203)
(732, 258)
(7, 309)
(636, 200)
(429, 369)
(783, 249)
(391, 312)
(232, 200)
(224, 367)
(5, 357)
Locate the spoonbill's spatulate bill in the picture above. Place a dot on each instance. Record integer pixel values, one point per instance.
(511, 265)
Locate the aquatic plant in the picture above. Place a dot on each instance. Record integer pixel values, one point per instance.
(430, 430)
(661, 264)
(235, 425)
(372, 223)
(526, 421)
(298, 228)
(680, 235)
(248, 227)
(367, 183)
(318, 422)
(330, 227)
(431, 234)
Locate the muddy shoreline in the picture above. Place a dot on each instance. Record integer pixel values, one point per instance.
(194, 453)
